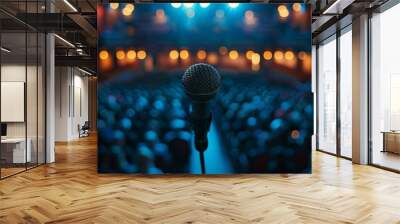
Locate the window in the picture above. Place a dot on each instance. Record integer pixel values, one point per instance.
(327, 96)
(385, 89)
(346, 92)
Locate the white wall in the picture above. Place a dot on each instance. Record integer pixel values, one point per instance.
(80, 111)
(13, 72)
(61, 103)
(71, 94)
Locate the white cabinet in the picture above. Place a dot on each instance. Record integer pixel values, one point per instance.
(19, 155)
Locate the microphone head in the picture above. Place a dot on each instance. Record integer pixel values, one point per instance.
(201, 82)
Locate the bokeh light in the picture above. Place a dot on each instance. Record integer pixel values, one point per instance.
(201, 54)
(128, 9)
(188, 5)
(283, 11)
(301, 55)
(160, 16)
(278, 55)
(114, 6)
(141, 54)
(255, 59)
(307, 63)
(267, 55)
(296, 7)
(160, 13)
(249, 18)
(249, 54)
(126, 12)
(184, 54)
(103, 55)
(176, 5)
(223, 50)
(289, 55)
(295, 134)
(131, 55)
(174, 54)
(233, 54)
(120, 55)
(212, 58)
(233, 5)
(204, 5)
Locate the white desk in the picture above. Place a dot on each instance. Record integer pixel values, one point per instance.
(18, 144)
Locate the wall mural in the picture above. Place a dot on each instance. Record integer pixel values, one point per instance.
(193, 88)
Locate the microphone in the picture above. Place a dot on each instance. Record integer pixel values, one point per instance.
(201, 83)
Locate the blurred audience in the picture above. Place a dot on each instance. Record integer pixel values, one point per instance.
(265, 126)
(143, 128)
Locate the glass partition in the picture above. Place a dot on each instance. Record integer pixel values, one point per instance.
(31, 100)
(14, 153)
(22, 89)
(327, 95)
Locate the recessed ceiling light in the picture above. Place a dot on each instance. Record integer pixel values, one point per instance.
(70, 5)
(84, 71)
(64, 40)
(5, 50)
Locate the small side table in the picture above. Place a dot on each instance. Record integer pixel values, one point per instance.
(391, 141)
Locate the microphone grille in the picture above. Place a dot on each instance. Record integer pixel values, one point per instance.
(201, 79)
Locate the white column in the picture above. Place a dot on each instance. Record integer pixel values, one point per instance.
(314, 91)
(360, 90)
(50, 98)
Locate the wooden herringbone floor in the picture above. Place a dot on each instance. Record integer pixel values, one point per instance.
(70, 191)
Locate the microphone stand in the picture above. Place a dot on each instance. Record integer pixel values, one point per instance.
(202, 162)
(201, 128)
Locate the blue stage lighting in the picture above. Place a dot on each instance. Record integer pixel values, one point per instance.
(188, 5)
(233, 5)
(176, 5)
(204, 5)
